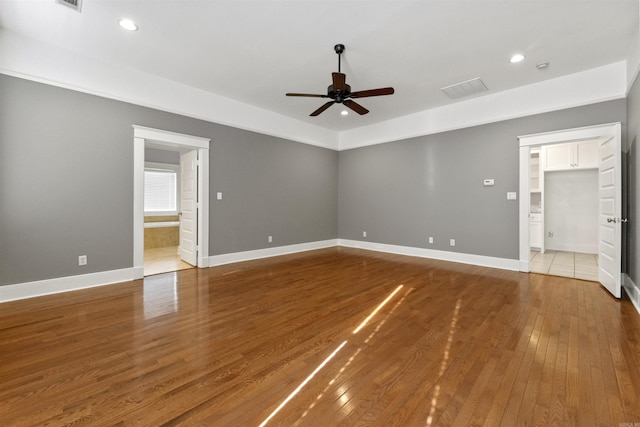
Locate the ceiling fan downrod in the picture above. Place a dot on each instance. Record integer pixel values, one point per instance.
(339, 48)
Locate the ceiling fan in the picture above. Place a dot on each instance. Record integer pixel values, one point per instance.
(340, 91)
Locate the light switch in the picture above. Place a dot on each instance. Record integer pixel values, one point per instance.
(512, 195)
(488, 182)
(219, 195)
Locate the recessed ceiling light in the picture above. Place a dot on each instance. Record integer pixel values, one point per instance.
(128, 24)
(516, 58)
(344, 112)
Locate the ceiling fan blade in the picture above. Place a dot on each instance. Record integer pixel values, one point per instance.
(355, 107)
(372, 92)
(321, 109)
(307, 94)
(339, 81)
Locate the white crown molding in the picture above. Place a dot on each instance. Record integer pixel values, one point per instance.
(633, 61)
(32, 60)
(597, 85)
(633, 58)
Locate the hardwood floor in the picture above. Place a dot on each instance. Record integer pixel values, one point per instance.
(336, 337)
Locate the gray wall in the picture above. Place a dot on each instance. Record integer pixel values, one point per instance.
(633, 182)
(271, 187)
(66, 183)
(403, 192)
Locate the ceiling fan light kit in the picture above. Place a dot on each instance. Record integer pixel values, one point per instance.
(340, 92)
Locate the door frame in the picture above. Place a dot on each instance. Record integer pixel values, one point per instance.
(604, 131)
(141, 136)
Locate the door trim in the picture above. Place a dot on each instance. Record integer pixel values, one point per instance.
(141, 136)
(604, 131)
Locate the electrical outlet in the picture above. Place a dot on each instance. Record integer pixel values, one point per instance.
(452, 242)
(364, 234)
(551, 234)
(431, 240)
(82, 260)
(270, 239)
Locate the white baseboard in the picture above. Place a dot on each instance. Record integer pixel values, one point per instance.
(203, 262)
(269, 252)
(138, 272)
(72, 283)
(64, 284)
(570, 247)
(481, 260)
(632, 290)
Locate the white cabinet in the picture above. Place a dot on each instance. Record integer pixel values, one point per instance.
(586, 154)
(535, 173)
(536, 199)
(574, 155)
(536, 231)
(557, 157)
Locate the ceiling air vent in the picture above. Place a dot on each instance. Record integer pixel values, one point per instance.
(74, 4)
(468, 88)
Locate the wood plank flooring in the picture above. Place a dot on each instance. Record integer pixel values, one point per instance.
(336, 337)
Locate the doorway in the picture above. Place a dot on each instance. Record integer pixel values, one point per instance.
(563, 209)
(608, 139)
(162, 209)
(194, 224)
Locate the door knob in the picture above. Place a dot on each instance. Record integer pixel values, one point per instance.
(617, 220)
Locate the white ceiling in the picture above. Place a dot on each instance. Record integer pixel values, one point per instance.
(256, 51)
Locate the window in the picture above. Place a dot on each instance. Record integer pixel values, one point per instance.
(161, 190)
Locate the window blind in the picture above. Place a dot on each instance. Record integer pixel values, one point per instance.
(160, 190)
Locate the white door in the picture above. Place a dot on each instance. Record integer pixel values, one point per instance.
(609, 228)
(188, 203)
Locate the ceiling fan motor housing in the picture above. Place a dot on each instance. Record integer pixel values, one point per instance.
(338, 95)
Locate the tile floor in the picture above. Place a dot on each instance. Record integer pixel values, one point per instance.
(163, 260)
(566, 264)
